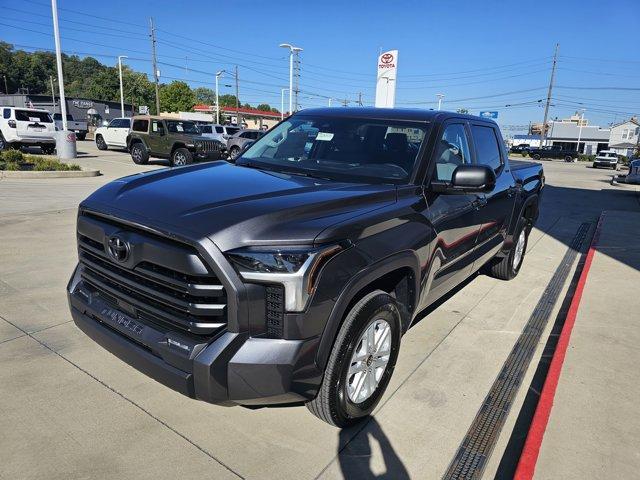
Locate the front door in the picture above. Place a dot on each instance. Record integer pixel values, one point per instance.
(453, 216)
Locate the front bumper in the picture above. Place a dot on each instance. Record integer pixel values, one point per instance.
(604, 163)
(227, 369)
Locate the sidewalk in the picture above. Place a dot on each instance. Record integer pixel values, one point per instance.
(594, 427)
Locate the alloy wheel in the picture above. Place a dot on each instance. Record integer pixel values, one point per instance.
(519, 251)
(369, 361)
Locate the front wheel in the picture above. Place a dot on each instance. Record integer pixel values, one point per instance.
(234, 153)
(181, 157)
(568, 158)
(536, 156)
(100, 143)
(361, 362)
(507, 267)
(139, 154)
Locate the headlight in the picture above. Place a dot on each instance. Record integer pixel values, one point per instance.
(295, 269)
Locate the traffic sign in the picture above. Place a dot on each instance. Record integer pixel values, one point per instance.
(486, 114)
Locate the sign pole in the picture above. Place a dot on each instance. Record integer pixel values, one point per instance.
(56, 36)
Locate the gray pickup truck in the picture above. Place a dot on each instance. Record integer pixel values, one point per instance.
(291, 276)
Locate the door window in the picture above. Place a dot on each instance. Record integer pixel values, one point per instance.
(487, 149)
(140, 125)
(157, 126)
(452, 150)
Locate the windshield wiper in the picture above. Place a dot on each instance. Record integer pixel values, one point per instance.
(304, 174)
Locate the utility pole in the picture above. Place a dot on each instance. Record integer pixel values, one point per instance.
(218, 75)
(440, 96)
(543, 133)
(155, 64)
(53, 94)
(6, 89)
(238, 118)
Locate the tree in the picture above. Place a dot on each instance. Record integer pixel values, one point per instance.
(264, 107)
(176, 97)
(205, 96)
(462, 110)
(227, 100)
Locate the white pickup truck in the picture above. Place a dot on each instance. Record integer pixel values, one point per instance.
(81, 128)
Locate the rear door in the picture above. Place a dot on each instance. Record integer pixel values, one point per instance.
(34, 124)
(495, 208)
(121, 131)
(157, 136)
(453, 216)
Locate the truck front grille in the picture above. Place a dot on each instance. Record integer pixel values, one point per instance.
(176, 300)
(209, 146)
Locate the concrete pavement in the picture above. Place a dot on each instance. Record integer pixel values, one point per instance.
(594, 428)
(74, 411)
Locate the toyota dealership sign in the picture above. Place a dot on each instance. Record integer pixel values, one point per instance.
(386, 81)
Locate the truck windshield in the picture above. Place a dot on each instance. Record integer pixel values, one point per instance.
(346, 149)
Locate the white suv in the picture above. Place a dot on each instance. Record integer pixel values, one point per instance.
(114, 134)
(221, 133)
(27, 127)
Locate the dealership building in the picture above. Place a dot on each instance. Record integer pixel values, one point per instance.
(94, 112)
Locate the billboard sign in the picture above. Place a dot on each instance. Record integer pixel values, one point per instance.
(489, 114)
(386, 79)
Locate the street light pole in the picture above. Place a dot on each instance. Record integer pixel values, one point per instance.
(282, 90)
(120, 57)
(292, 50)
(56, 36)
(440, 97)
(218, 75)
(53, 94)
(580, 130)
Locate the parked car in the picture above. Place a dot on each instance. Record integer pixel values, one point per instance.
(606, 158)
(553, 151)
(80, 128)
(292, 275)
(27, 127)
(178, 140)
(520, 148)
(114, 134)
(634, 171)
(219, 132)
(236, 143)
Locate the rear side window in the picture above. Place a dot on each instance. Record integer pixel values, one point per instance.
(219, 130)
(31, 116)
(140, 125)
(6, 113)
(487, 149)
(205, 128)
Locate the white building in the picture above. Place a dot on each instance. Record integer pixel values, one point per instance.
(624, 137)
(578, 135)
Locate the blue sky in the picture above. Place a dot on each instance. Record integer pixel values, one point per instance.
(497, 50)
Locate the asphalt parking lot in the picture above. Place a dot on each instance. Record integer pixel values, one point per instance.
(69, 409)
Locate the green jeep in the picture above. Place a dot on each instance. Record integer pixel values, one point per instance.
(178, 140)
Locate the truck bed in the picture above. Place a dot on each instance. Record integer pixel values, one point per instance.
(526, 171)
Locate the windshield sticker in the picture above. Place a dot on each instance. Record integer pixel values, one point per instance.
(324, 136)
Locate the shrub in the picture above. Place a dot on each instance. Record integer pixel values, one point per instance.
(12, 156)
(12, 166)
(586, 158)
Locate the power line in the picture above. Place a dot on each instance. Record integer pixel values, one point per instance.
(75, 12)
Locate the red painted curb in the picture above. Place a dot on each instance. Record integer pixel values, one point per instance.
(529, 457)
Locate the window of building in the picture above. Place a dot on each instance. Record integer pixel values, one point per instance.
(453, 150)
(487, 147)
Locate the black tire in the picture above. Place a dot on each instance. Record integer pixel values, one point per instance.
(81, 136)
(332, 403)
(100, 143)
(139, 154)
(504, 268)
(568, 158)
(3, 143)
(234, 153)
(536, 156)
(181, 157)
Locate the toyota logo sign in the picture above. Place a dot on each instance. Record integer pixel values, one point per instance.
(386, 58)
(118, 249)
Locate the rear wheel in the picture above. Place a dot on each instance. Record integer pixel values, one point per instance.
(568, 158)
(139, 154)
(181, 157)
(361, 362)
(536, 156)
(100, 143)
(507, 267)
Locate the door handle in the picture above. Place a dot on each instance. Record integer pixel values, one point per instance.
(479, 202)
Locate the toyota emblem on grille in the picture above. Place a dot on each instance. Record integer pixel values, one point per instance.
(118, 248)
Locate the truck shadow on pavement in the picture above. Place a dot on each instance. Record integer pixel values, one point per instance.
(357, 452)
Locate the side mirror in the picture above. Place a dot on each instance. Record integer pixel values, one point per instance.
(468, 179)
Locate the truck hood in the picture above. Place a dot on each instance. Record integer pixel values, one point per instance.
(238, 206)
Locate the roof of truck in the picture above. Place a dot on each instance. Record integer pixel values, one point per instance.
(407, 114)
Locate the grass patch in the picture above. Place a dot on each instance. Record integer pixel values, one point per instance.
(15, 160)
